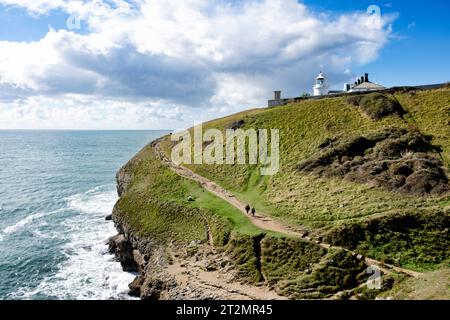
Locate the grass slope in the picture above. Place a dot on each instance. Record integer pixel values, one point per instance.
(429, 287)
(156, 205)
(330, 205)
(406, 230)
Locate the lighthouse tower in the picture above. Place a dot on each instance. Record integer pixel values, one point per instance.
(320, 88)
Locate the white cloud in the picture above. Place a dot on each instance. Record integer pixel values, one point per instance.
(181, 56)
(75, 112)
(35, 7)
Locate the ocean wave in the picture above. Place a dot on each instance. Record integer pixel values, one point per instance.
(27, 220)
(99, 200)
(89, 271)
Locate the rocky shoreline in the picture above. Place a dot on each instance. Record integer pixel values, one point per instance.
(173, 272)
(132, 252)
(168, 271)
(145, 258)
(137, 254)
(244, 267)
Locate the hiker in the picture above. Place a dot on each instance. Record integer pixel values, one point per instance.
(253, 212)
(247, 208)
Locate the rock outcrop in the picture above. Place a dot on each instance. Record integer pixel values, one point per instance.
(395, 159)
(122, 248)
(123, 178)
(377, 106)
(138, 254)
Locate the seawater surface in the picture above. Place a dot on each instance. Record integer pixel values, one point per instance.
(56, 187)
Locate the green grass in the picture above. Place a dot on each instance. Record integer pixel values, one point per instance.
(430, 112)
(334, 271)
(148, 207)
(323, 204)
(303, 127)
(431, 286)
(206, 200)
(252, 190)
(377, 105)
(405, 230)
(156, 205)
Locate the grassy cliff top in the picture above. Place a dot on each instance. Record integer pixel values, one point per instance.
(334, 204)
(368, 173)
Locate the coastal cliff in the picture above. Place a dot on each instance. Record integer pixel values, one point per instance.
(229, 266)
(353, 190)
(139, 254)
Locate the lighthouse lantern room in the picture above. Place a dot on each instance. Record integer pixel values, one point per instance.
(320, 88)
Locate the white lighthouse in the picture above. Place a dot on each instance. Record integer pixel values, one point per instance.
(320, 88)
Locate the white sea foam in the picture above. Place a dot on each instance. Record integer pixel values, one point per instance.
(27, 220)
(96, 201)
(89, 272)
(44, 234)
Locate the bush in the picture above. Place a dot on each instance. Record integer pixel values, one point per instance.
(237, 124)
(420, 240)
(392, 158)
(377, 106)
(241, 250)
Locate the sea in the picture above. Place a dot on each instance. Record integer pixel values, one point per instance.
(56, 188)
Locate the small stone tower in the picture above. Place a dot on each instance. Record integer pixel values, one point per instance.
(320, 88)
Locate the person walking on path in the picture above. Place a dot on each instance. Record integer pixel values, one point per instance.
(247, 208)
(253, 212)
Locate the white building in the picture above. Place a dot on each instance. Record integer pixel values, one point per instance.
(320, 88)
(363, 85)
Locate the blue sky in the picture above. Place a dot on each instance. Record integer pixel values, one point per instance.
(419, 51)
(164, 64)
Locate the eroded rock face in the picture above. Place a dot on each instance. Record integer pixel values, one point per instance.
(139, 259)
(395, 159)
(142, 255)
(151, 281)
(123, 178)
(135, 287)
(153, 288)
(123, 250)
(170, 271)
